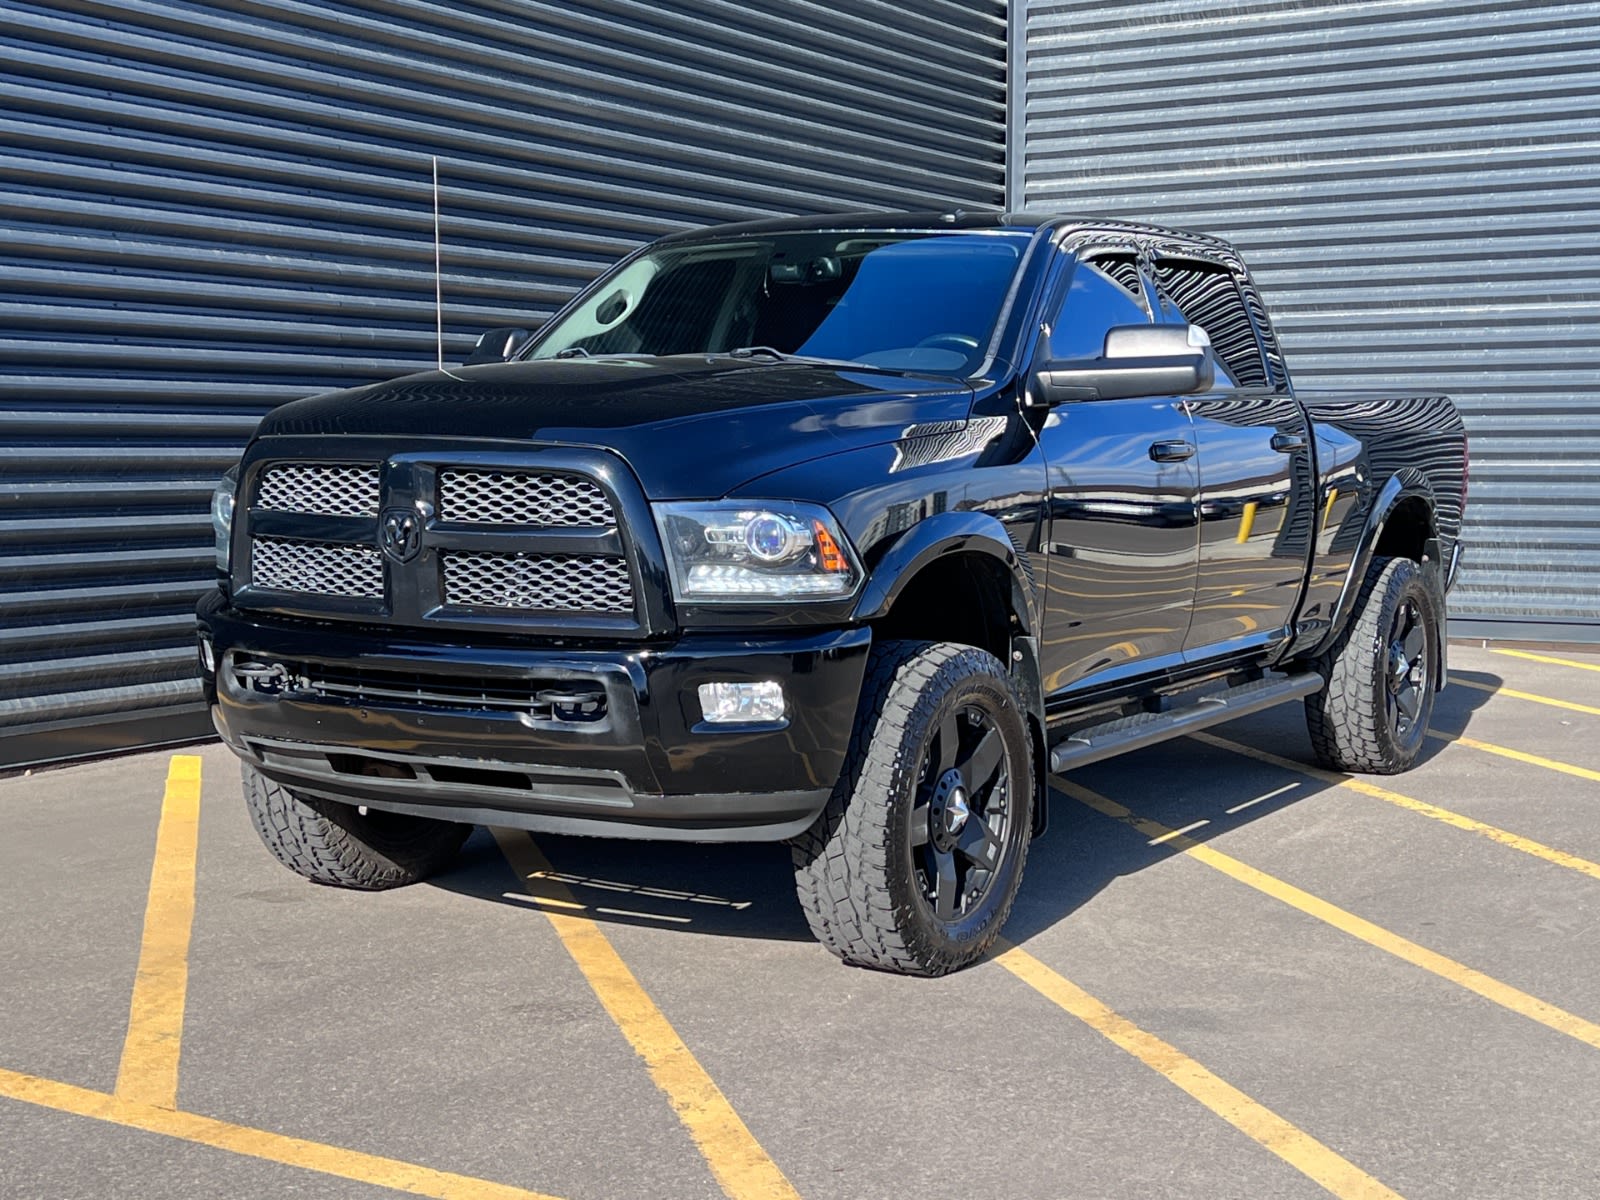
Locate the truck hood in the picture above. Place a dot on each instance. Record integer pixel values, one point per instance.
(690, 426)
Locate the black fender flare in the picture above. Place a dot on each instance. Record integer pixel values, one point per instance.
(1408, 483)
(969, 533)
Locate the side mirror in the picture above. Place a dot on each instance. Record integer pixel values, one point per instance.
(1138, 360)
(498, 345)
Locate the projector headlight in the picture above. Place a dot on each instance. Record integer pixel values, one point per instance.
(222, 515)
(751, 550)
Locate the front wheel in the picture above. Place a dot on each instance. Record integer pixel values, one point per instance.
(1382, 674)
(915, 862)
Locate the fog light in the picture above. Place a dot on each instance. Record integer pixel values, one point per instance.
(208, 657)
(742, 703)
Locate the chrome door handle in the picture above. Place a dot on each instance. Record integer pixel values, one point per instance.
(1171, 451)
(1288, 443)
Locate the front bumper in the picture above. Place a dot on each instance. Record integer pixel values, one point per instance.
(463, 732)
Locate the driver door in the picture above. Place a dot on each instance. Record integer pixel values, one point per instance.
(1122, 500)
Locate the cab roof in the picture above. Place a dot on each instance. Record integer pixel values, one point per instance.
(935, 219)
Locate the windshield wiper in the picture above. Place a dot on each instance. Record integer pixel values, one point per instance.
(764, 352)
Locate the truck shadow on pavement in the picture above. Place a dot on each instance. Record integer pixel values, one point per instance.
(747, 890)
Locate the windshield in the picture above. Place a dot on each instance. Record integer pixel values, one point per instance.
(918, 302)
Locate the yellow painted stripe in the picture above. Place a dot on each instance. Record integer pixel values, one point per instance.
(1545, 658)
(1521, 756)
(1290, 1143)
(255, 1143)
(737, 1160)
(1551, 701)
(149, 1069)
(1327, 511)
(1247, 520)
(1448, 969)
(1495, 834)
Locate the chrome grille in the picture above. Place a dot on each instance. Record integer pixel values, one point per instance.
(517, 498)
(321, 489)
(537, 583)
(319, 568)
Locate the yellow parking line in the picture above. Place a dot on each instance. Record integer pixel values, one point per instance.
(1521, 756)
(1506, 838)
(1448, 969)
(1290, 1143)
(1569, 705)
(742, 1168)
(149, 1069)
(1545, 658)
(255, 1143)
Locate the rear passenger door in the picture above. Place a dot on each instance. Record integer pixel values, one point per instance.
(1255, 469)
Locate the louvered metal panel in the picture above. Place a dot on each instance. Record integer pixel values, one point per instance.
(1414, 185)
(212, 208)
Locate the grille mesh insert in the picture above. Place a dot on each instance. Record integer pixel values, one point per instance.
(516, 498)
(320, 568)
(538, 583)
(322, 489)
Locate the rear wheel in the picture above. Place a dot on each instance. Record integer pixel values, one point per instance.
(342, 846)
(1382, 675)
(915, 862)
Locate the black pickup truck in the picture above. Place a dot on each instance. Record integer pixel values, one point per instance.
(847, 532)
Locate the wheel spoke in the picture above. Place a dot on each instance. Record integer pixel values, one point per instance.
(919, 824)
(944, 894)
(1407, 700)
(1414, 644)
(949, 742)
(980, 765)
(978, 844)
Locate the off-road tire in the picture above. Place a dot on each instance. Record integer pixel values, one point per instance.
(339, 845)
(1349, 721)
(855, 868)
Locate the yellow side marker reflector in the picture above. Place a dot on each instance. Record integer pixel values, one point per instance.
(1491, 989)
(148, 1072)
(740, 1165)
(1545, 658)
(255, 1143)
(1533, 760)
(1247, 521)
(1516, 841)
(1551, 701)
(1294, 1146)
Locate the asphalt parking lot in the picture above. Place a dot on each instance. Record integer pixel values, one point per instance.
(1229, 975)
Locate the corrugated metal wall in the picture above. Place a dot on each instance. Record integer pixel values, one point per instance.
(212, 208)
(1415, 186)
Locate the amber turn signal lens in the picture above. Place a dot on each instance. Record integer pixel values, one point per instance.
(829, 556)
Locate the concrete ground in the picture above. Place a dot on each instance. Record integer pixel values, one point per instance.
(1387, 987)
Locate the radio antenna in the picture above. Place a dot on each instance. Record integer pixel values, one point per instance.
(438, 280)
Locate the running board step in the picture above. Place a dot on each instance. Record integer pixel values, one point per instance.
(1130, 733)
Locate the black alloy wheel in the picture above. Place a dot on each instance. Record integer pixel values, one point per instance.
(1408, 674)
(961, 819)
